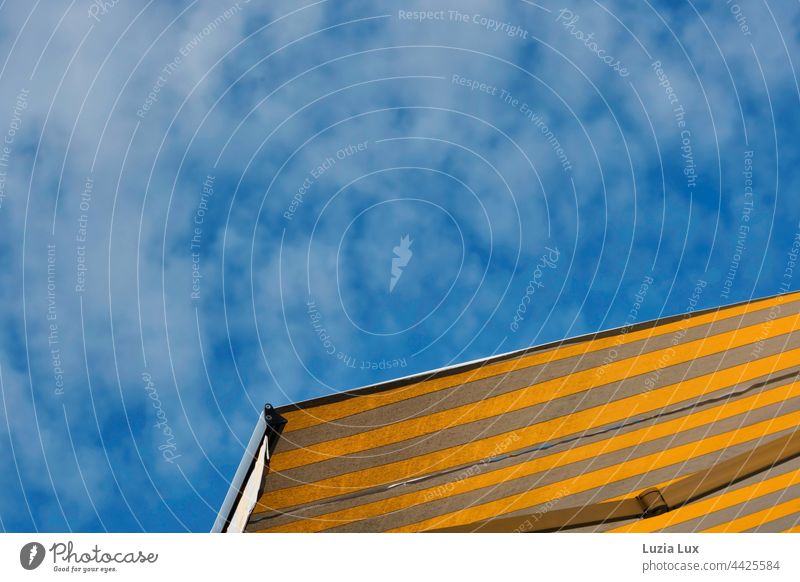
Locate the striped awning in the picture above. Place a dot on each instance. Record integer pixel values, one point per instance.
(584, 420)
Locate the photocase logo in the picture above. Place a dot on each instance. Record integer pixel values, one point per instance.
(31, 555)
(400, 260)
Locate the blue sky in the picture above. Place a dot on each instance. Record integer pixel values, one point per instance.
(201, 202)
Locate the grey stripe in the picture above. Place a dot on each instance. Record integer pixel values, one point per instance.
(782, 524)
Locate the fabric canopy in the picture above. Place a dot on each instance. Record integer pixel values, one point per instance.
(577, 422)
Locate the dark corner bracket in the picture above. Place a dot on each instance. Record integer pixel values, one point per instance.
(275, 423)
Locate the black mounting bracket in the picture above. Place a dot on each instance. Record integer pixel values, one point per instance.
(275, 423)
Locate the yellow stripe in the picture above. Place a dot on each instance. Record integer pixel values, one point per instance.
(531, 435)
(708, 506)
(529, 396)
(300, 419)
(548, 462)
(794, 529)
(758, 518)
(588, 481)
